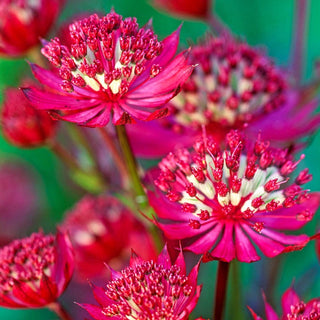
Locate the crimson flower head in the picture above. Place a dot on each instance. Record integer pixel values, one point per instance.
(185, 8)
(95, 226)
(24, 22)
(293, 308)
(233, 86)
(225, 202)
(111, 66)
(22, 124)
(35, 271)
(148, 290)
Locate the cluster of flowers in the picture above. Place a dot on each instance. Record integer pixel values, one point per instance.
(225, 121)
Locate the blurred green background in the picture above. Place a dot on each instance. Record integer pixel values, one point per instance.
(263, 23)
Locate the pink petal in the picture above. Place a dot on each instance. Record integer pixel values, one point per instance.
(288, 299)
(206, 241)
(225, 250)
(245, 251)
(286, 218)
(51, 101)
(269, 247)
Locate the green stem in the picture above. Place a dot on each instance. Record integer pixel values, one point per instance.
(79, 137)
(59, 310)
(64, 155)
(221, 290)
(131, 164)
(90, 181)
(116, 155)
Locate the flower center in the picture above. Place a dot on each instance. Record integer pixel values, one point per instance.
(231, 84)
(105, 55)
(211, 184)
(148, 290)
(26, 260)
(301, 311)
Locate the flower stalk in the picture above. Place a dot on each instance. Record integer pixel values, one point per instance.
(221, 290)
(140, 195)
(117, 157)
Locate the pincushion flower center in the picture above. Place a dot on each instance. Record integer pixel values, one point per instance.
(148, 289)
(221, 198)
(106, 55)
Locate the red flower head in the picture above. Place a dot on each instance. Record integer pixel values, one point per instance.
(112, 66)
(233, 86)
(185, 8)
(35, 271)
(148, 290)
(22, 124)
(95, 226)
(24, 22)
(224, 201)
(293, 308)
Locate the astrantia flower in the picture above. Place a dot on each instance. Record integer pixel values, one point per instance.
(112, 66)
(293, 308)
(95, 226)
(223, 202)
(233, 86)
(185, 8)
(24, 22)
(22, 124)
(35, 271)
(148, 290)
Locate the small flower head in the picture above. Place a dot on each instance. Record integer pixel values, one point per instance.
(148, 290)
(220, 201)
(35, 271)
(232, 84)
(111, 66)
(95, 226)
(185, 8)
(22, 124)
(293, 308)
(24, 22)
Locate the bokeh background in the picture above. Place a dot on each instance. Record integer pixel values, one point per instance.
(267, 24)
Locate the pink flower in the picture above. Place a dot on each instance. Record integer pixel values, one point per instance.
(293, 308)
(24, 22)
(148, 290)
(185, 8)
(224, 202)
(35, 271)
(95, 226)
(22, 124)
(233, 86)
(111, 66)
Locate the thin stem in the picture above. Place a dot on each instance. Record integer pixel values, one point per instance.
(59, 310)
(299, 32)
(64, 155)
(78, 135)
(89, 180)
(130, 160)
(221, 290)
(116, 155)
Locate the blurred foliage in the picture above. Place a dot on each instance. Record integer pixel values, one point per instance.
(264, 23)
